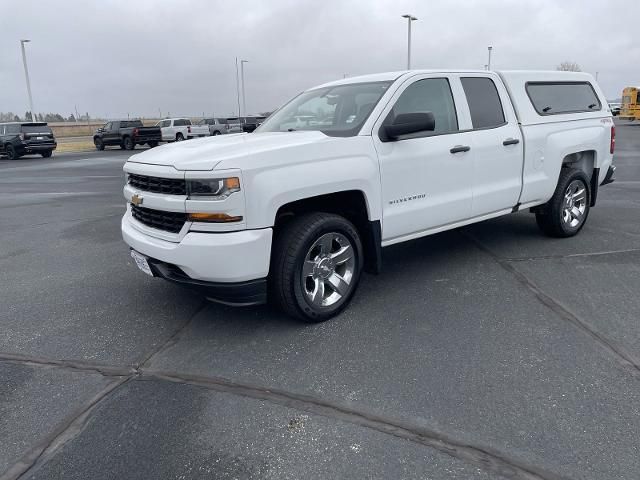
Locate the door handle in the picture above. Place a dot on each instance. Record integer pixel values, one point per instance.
(511, 141)
(460, 148)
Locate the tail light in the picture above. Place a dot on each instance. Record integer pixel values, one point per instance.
(189, 129)
(612, 145)
(135, 132)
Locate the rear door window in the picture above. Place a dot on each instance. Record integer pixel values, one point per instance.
(553, 98)
(484, 102)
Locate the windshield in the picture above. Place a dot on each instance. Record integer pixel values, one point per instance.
(338, 111)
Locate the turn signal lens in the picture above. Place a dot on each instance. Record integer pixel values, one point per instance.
(213, 217)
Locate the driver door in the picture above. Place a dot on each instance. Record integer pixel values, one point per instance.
(427, 177)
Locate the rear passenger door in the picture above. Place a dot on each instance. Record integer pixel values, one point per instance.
(496, 144)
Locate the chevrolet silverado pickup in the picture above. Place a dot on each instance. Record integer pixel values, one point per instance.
(296, 211)
(178, 129)
(127, 134)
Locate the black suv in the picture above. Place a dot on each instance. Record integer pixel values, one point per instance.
(18, 139)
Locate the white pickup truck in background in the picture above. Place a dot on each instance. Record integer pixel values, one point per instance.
(178, 129)
(303, 207)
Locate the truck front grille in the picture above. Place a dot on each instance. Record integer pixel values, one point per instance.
(167, 221)
(171, 186)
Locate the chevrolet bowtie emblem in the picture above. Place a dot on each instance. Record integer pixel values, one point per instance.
(136, 199)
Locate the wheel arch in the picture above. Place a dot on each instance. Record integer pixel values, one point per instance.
(586, 161)
(351, 204)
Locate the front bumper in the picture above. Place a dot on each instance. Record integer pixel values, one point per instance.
(251, 292)
(229, 257)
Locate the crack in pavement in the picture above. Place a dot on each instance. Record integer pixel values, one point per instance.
(627, 359)
(80, 365)
(571, 255)
(71, 428)
(66, 431)
(485, 457)
(482, 456)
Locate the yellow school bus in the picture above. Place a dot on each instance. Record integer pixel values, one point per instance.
(630, 109)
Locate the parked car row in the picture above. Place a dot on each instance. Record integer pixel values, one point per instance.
(27, 138)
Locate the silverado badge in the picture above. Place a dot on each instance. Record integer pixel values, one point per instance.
(136, 199)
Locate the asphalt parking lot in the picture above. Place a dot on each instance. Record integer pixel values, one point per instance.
(486, 352)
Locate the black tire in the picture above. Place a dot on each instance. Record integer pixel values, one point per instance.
(128, 143)
(98, 143)
(216, 132)
(289, 286)
(12, 154)
(46, 154)
(552, 217)
(179, 137)
(153, 144)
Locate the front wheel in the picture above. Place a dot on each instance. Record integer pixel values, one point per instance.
(46, 153)
(316, 266)
(567, 211)
(98, 143)
(12, 154)
(152, 144)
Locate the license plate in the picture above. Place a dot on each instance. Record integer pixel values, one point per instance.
(39, 138)
(141, 262)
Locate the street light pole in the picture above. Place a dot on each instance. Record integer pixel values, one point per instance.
(238, 89)
(410, 18)
(26, 74)
(489, 62)
(244, 101)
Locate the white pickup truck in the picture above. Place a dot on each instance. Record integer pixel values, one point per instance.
(300, 209)
(178, 129)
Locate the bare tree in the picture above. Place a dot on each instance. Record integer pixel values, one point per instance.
(567, 66)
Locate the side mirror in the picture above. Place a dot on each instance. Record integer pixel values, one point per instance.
(407, 123)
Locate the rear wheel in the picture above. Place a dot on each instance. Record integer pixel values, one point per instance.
(12, 154)
(316, 266)
(128, 143)
(46, 154)
(567, 211)
(98, 143)
(216, 132)
(179, 137)
(153, 144)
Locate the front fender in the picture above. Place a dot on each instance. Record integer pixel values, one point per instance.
(348, 164)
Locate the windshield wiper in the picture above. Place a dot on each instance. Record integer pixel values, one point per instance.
(291, 129)
(546, 109)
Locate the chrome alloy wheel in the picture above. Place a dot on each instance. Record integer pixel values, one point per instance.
(328, 270)
(575, 204)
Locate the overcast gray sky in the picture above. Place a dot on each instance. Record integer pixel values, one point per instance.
(113, 57)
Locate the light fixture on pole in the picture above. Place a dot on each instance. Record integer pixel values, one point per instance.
(244, 100)
(410, 18)
(489, 62)
(26, 74)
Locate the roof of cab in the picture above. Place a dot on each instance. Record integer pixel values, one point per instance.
(527, 75)
(390, 76)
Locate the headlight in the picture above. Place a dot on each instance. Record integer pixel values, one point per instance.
(212, 189)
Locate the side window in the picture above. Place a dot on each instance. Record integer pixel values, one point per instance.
(428, 95)
(484, 102)
(1, 129)
(552, 98)
(107, 127)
